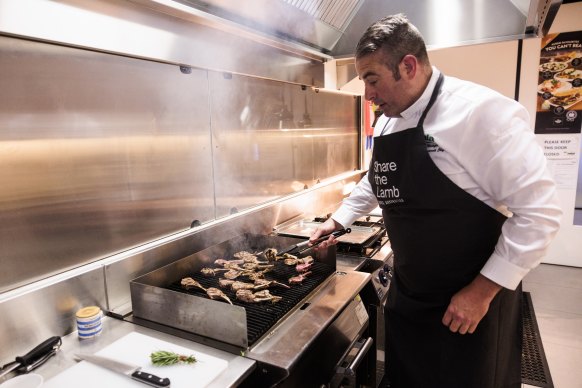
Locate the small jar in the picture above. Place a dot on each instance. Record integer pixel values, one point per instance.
(89, 322)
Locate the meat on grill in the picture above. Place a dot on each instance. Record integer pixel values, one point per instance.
(303, 267)
(256, 266)
(210, 272)
(189, 283)
(215, 293)
(271, 254)
(260, 296)
(299, 278)
(261, 284)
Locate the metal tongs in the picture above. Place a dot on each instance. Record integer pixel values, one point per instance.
(33, 359)
(298, 248)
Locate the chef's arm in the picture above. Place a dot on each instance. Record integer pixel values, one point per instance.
(360, 202)
(469, 305)
(510, 167)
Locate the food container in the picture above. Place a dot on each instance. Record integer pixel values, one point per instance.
(89, 322)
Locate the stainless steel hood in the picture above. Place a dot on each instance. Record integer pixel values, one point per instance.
(333, 27)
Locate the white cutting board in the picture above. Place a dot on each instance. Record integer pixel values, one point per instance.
(135, 348)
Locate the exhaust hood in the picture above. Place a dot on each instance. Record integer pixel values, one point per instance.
(333, 27)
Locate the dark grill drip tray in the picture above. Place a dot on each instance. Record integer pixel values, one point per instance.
(534, 366)
(262, 316)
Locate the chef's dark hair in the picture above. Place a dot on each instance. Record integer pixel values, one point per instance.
(396, 37)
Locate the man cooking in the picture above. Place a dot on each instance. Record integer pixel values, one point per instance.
(469, 207)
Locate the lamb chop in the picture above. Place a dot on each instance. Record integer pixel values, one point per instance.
(189, 283)
(225, 283)
(271, 254)
(224, 263)
(215, 293)
(210, 272)
(261, 284)
(261, 296)
(243, 254)
(256, 266)
(242, 286)
(304, 267)
(299, 278)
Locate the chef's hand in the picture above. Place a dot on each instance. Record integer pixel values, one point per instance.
(469, 305)
(329, 226)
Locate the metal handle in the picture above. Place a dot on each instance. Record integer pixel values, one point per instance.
(150, 379)
(337, 233)
(360, 356)
(40, 352)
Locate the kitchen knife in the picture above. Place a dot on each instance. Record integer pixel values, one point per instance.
(34, 358)
(133, 371)
(303, 245)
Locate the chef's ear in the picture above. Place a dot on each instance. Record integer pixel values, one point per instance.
(409, 65)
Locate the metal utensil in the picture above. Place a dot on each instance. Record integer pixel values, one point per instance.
(35, 358)
(130, 370)
(297, 248)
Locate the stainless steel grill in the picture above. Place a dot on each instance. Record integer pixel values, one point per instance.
(262, 316)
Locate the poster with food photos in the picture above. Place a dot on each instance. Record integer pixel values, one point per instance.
(559, 90)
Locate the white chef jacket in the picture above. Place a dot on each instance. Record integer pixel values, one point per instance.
(481, 140)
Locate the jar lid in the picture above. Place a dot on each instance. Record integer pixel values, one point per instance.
(87, 312)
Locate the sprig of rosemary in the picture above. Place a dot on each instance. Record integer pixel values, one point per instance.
(164, 358)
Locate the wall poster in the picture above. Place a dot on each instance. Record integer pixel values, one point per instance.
(559, 101)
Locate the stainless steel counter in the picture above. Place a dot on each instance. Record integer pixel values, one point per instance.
(113, 329)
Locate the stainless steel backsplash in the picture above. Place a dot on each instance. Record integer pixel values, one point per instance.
(101, 153)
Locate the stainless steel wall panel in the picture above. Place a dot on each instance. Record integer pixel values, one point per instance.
(272, 139)
(99, 153)
(35, 313)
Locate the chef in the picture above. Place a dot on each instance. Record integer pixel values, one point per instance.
(469, 207)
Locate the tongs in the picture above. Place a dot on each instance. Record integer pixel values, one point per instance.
(299, 247)
(33, 359)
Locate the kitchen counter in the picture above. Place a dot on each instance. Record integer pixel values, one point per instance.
(238, 368)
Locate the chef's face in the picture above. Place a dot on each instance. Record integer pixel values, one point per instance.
(381, 87)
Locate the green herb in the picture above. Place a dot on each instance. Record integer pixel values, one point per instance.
(163, 358)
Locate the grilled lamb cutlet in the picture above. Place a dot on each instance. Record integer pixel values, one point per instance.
(261, 296)
(215, 293)
(271, 254)
(224, 263)
(189, 283)
(257, 266)
(247, 257)
(261, 284)
(225, 283)
(303, 267)
(210, 272)
(242, 286)
(299, 278)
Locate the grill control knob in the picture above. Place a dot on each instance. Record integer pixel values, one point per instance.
(382, 277)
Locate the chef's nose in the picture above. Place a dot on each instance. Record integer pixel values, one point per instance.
(369, 94)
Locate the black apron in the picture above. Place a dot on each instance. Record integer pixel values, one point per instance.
(441, 237)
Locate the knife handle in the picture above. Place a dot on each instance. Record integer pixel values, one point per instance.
(38, 352)
(150, 379)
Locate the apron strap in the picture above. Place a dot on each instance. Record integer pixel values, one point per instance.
(433, 98)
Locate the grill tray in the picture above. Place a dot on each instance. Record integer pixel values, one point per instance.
(158, 296)
(262, 316)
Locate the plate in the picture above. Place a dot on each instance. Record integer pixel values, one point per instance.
(553, 67)
(568, 75)
(553, 86)
(567, 100)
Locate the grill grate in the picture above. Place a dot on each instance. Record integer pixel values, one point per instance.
(534, 366)
(262, 316)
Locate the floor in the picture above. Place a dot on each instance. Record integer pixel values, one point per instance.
(556, 293)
